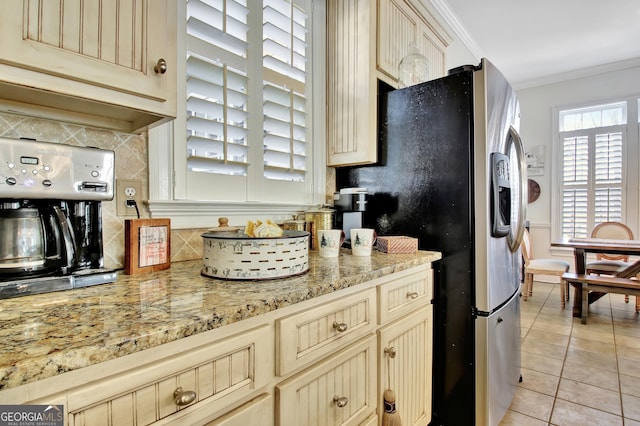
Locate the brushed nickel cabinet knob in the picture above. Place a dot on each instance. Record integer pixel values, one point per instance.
(182, 397)
(161, 66)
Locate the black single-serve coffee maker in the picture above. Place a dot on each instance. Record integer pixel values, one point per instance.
(350, 205)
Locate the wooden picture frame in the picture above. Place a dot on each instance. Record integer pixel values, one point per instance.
(147, 245)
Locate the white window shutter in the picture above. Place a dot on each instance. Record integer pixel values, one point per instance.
(284, 91)
(217, 87)
(592, 167)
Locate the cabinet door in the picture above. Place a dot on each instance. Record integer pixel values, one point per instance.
(405, 350)
(397, 27)
(109, 43)
(433, 50)
(337, 391)
(351, 82)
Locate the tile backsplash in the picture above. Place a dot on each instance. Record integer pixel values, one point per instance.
(131, 163)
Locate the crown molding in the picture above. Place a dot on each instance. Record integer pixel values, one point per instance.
(451, 19)
(576, 74)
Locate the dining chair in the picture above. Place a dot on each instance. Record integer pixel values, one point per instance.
(609, 264)
(533, 266)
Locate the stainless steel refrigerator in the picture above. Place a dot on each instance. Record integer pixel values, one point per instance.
(451, 172)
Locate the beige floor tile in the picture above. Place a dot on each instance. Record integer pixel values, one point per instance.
(628, 315)
(605, 361)
(555, 327)
(512, 418)
(592, 345)
(630, 385)
(577, 374)
(631, 342)
(585, 373)
(539, 382)
(630, 328)
(631, 407)
(593, 325)
(567, 413)
(628, 353)
(590, 334)
(555, 314)
(546, 349)
(532, 404)
(602, 319)
(541, 363)
(590, 396)
(628, 366)
(548, 336)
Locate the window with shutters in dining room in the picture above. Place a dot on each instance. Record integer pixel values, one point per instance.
(592, 171)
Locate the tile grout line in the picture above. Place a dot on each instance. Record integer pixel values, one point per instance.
(615, 348)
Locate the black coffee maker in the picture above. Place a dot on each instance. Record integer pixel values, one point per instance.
(350, 205)
(50, 216)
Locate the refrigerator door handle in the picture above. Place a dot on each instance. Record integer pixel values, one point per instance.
(516, 240)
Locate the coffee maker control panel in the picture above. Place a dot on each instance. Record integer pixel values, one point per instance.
(40, 170)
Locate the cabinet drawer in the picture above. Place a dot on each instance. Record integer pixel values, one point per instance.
(317, 332)
(337, 391)
(404, 294)
(258, 411)
(219, 373)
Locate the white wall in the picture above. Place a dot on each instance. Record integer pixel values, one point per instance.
(537, 107)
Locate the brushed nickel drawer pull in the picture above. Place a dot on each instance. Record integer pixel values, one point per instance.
(341, 401)
(183, 397)
(390, 351)
(340, 327)
(412, 295)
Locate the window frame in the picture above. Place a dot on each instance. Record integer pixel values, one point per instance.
(167, 192)
(631, 158)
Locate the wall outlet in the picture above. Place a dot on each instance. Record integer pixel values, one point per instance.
(128, 189)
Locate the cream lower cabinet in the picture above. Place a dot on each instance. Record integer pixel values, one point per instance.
(110, 63)
(190, 388)
(405, 351)
(405, 344)
(324, 361)
(340, 390)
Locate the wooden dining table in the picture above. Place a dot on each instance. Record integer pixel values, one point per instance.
(582, 246)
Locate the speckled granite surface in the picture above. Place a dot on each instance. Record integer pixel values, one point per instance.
(49, 334)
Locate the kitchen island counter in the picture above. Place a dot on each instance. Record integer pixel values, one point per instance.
(49, 334)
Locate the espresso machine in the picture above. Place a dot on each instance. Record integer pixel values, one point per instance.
(350, 205)
(50, 216)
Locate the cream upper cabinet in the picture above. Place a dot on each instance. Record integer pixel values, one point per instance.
(110, 59)
(351, 82)
(366, 41)
(400, 24)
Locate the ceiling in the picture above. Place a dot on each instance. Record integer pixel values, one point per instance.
(537, 42)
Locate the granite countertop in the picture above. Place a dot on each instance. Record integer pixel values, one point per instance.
(48, 334)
